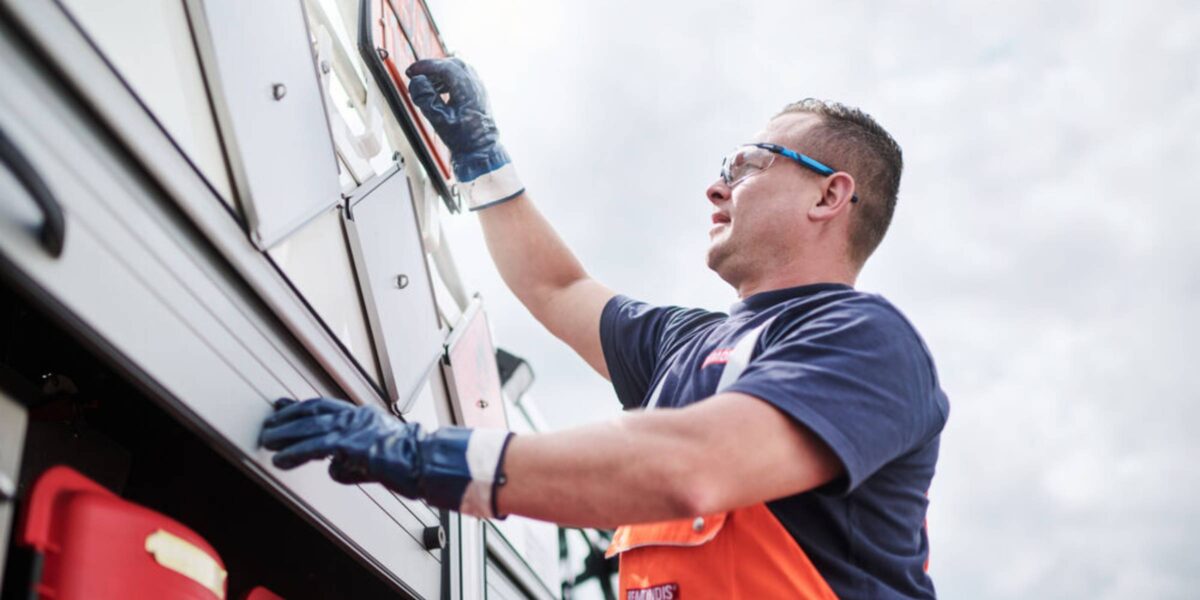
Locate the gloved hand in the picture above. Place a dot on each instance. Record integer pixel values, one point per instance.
(453, 467)
(485, 173)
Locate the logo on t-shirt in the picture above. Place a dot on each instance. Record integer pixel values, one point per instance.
(719, 356)
(666, 591)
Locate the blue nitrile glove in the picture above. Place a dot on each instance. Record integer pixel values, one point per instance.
(485, 173)
(453, 467)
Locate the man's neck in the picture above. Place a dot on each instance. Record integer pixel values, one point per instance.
(789, 279)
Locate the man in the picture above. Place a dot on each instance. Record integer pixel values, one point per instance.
(787, 446)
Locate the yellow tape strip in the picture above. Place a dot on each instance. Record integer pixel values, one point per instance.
(183, 557)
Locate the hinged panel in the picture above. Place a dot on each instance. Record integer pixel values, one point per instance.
(258, 62)
(386, 245)
(472, 374)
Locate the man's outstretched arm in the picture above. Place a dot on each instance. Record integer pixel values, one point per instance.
(534, 262)
(729, 451)
(726, 452)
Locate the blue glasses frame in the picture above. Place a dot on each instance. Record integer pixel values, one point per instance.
(803, 160)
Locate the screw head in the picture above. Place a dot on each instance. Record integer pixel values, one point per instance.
(402, 281)
(278, 91)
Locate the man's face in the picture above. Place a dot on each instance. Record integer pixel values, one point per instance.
(760, 222)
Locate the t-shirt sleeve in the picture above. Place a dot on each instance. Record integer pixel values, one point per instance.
(636, 337)
(858, 377)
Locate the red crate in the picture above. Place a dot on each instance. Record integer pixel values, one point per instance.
(98, 546)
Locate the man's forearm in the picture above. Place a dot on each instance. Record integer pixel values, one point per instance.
(601, 475)
(530, 256)
(546, 277)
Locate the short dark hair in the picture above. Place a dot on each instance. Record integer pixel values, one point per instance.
(853, 142)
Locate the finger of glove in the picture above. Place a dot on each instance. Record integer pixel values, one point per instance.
(439, 69)
(302, 452)
(345, 470)
(282, 403)
(430, 102)
(450, 75)
(282, 435)
(292, 410)
(477, 92)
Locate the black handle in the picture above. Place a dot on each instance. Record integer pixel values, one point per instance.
(54, 226)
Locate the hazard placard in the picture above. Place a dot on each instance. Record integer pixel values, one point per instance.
(393, 35)
(472, 374)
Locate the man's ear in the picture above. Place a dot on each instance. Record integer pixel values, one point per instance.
(837, 191)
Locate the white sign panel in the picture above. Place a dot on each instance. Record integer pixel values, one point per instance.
(258, 62)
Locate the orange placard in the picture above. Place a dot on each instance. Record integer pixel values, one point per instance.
(406, 33)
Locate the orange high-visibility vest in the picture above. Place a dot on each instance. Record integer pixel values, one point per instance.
(744, 553)
(741, 554)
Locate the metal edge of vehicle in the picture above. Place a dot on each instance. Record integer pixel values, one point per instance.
(513, 563)
(89, 75)
(392, 364)
(12, 275)
(184, 413)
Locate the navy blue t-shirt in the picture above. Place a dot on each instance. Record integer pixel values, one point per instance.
(846, 365)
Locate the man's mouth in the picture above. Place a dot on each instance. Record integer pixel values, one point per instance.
(720, 222)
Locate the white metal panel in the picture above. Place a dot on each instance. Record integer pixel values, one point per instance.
(386, 245)
(472, 374)
(145, 139)
(424, 410)
(259, 64)
(142, 281)
(150, 44)
(317, 261)
(471, 546)
(502, 551)
(499, 586)
(350, 149)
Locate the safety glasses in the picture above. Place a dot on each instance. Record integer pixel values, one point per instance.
(753, 158)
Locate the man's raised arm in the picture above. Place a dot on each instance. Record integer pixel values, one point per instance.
(534, 262)
(547, 278)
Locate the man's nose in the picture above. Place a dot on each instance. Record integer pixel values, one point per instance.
(718, 192)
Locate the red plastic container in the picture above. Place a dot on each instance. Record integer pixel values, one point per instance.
(98, 546)
(262, 593)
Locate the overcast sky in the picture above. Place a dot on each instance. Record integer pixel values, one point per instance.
(1045, 242)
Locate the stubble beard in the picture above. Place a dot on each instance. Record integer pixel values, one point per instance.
(722, 259)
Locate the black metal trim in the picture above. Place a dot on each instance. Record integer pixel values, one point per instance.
(54, 224)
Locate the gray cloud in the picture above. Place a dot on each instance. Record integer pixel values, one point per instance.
(1045, 242)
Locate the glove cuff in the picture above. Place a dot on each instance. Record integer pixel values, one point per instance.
(487, 178)
(485, 459)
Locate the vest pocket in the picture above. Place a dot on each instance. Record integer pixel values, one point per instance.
(680, 532)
